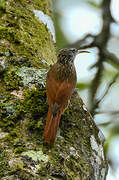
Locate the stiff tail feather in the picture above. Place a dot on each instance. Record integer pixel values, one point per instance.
(52, 124)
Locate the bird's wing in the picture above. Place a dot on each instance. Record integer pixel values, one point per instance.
(64, 92)
(59, 91)
(51, 89)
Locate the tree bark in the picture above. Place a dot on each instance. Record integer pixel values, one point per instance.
(26, 50)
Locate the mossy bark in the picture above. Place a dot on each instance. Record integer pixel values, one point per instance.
(26, 48)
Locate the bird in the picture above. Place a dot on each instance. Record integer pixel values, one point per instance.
(60, 83)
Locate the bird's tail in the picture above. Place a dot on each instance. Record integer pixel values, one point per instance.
(52, 124)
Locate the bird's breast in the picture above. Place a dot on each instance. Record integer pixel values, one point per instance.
(64, 72)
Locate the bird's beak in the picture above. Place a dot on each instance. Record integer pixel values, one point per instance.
(82, 51)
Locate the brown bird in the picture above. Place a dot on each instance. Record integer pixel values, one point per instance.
(61, 81)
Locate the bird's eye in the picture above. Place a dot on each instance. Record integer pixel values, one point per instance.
(73, 50)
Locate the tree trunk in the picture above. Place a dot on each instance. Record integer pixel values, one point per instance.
(26, 50)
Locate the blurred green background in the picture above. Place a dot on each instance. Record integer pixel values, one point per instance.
(94, 25)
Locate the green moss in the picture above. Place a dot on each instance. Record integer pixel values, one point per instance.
(11, 80)
(35, 104)
(2, 7)
(45, 6)
(26, 35)
(4, 168)
(10, 112)
(25, 43)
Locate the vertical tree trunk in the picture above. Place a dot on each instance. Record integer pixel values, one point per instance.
(26, 48)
